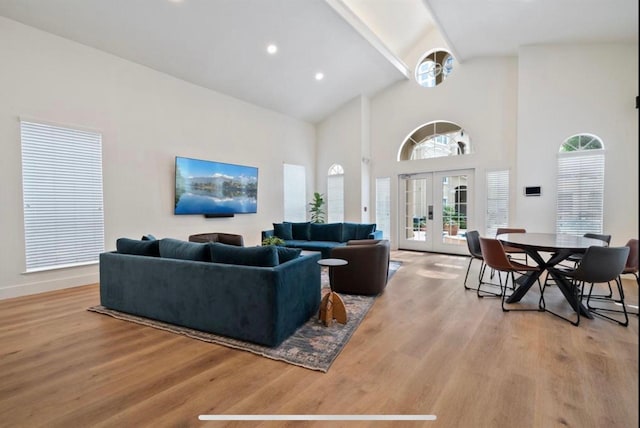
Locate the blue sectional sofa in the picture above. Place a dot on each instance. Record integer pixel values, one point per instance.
(321, 237)
(244, 293)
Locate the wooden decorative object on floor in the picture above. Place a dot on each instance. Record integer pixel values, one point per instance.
(332, 307)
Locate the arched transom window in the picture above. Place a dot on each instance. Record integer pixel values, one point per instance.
(580, 184)
(335, 169)
(434, 66)
(581, 142)
(434, 140)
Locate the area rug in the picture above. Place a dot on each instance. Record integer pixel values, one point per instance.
(313, 346)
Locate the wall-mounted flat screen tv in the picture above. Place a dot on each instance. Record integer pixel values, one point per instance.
(215, 188)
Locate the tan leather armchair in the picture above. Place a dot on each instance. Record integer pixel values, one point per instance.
(367, 269)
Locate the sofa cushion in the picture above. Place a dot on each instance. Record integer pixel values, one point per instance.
(296, 243)
(137, 248)
(324, 247)
(363, 230)
(300, 231)
(349, 231)
(285, 254)
(265, 256)
(282, 230)
(326, 232)
(183, 250)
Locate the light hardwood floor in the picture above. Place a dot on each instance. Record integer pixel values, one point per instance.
(426, 347)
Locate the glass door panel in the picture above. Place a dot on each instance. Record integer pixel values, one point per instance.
(453, 191)
(435, 209)
(416, 195)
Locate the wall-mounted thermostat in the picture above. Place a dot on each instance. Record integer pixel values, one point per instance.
(532, 191)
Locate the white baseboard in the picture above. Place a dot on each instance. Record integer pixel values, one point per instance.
(49, 285)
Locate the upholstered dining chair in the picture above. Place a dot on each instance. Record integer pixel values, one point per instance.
(496, 258)
(507, 248)
(598, 265)
(631, 268)
(473, 243)
(574, 259)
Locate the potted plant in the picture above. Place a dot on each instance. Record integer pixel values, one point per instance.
(316, 208)
(449, 223)
(272, 240)
(451, 227)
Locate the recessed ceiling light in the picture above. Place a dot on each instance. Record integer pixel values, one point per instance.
(176, 1)
(319, 76)
(272, 49)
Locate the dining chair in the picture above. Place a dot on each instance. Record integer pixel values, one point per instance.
(631, 268)
(598, 265)
(496, 258)
(473, 243)
(508, 248)
(574, 259)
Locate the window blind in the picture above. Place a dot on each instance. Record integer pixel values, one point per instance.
(383, 206)
(580, 192)
(295, 205)
(62, 193)
(497, 201)
(335, 198)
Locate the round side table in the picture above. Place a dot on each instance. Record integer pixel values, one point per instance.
(332, 306)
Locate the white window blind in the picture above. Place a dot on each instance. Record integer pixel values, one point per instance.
(335, 198)
(383, 206)
(295, 204)
(580, 192)
(497, 201)
(62, 192)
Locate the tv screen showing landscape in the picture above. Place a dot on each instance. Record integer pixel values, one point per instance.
(215, 188)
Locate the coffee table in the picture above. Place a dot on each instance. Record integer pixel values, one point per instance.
(332, 307)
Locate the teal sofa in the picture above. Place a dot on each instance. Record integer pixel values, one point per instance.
(321, 237)
(176, 282)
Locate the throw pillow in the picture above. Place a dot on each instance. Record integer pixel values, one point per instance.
(283, 231)
(137, 248)
(300, 231)
(285, 254)
(266, 256)
(148, 237)
(183, 250)
(326, 232)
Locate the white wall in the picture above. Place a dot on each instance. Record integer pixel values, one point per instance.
(342, 138)
(146, 119)
(479, 96)
(566, 90)
(516, 111)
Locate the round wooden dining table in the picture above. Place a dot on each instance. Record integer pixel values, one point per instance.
(560, 247)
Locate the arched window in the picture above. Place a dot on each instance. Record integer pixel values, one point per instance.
(434, 66)
(433, 140)
(335, 194)
(580, 185)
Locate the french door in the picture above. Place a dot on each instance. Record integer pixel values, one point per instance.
(435, 208)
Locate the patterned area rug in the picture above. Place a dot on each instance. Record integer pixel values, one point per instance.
(312, 346)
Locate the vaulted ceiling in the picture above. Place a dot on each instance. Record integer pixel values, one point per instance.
(357, 45)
